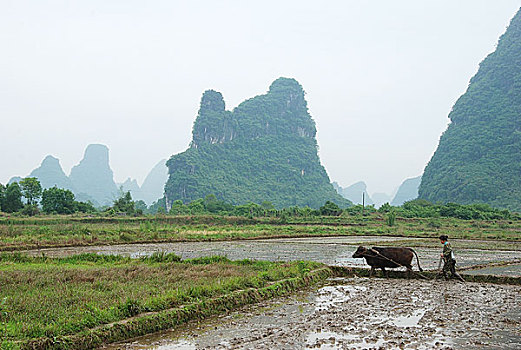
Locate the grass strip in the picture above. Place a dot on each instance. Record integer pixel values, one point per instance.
(19, 233)
(163, 320)
(59, 298)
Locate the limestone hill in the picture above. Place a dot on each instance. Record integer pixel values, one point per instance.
(50, 174)
(478, 159)
(407, 191)
(263, 150)
(94, 177)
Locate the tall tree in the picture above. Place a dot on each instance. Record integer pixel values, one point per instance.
(13, 198)
(2, 196)
(141, 206)
(31, 190)
(124, 204)
(58, 200)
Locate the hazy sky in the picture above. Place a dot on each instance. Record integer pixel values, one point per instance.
(380, 76)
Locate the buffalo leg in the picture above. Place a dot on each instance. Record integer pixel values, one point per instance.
(371, 272)
(384, 271)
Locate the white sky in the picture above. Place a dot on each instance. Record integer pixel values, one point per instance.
(380, 76)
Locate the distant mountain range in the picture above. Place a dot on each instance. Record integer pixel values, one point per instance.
(355, 192)
(153, 186)
(407, 191)
(92, 177)
(93, 180)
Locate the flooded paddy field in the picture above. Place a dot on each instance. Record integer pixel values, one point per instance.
(362, 313)
(328, 250)
(353, 313)
(513, 270)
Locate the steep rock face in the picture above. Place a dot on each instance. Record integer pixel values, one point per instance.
(50, 174)
(263, 150)
(478, 159)
(154, 185)
(407, 191)
(93, 177)
(214, 124)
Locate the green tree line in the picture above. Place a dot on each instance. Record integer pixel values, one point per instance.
(28, 198)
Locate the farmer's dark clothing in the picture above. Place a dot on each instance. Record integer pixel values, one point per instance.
(449, 265)
(449, 262)
(447, 252)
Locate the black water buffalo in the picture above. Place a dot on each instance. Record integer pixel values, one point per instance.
(392, 257)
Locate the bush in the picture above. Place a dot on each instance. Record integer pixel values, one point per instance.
(130, 308)
(330, 209)
(391, 218)
(30, 210)
(158, 257)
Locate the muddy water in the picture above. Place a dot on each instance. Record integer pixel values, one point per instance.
(508, 270)
(328, 250)
(353, 313)
(362, 313)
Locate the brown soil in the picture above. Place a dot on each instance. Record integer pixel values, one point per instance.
(361, 313)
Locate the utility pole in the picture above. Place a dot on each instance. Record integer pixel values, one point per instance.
(363, 203)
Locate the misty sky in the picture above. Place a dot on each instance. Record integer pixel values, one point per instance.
(380, 76)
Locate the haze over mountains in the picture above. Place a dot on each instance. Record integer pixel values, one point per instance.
(355, 192)
(478, 159)
(93, 176)
(92, 179)
(50, 174)
(407, 191)
(266, 150)
(153, 186)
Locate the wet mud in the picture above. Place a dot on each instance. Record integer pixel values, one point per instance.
(356, 313)
(513, 270)
(362, 313)
(328, 250)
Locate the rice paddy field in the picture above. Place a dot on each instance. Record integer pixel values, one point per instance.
(73, 282)
(45, 299)
(29, 233)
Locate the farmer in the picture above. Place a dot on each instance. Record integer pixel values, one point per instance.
(449, 263)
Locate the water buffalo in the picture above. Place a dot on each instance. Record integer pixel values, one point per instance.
(392, 257)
